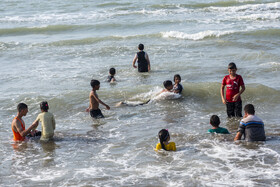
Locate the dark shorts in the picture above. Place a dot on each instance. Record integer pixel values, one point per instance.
(96, 114)
(38, 133)
(234, 109)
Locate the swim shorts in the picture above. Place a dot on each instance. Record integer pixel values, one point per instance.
(96, 114)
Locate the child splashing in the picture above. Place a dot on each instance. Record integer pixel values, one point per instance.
(164, 137)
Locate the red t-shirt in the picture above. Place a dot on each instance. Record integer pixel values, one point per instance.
(233, 86)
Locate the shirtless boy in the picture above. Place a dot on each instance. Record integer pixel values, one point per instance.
(94, 101)
(18, 125)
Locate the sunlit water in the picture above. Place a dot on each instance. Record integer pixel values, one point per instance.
(50, 50)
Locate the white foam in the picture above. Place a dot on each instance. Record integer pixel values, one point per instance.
(167, 95)
(195, 36)
(271, 64)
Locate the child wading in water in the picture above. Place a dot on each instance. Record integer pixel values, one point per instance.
(94, 101)
(164, 137)
(47, 120)
(111, 76)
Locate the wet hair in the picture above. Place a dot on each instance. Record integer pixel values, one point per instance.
(215, 121)
(44, 106)
(167, 83)
(232, 65)
(178, 76)
(94, 83)
(112, 71)
(250, 109)
(21, 106)
(141, 47)
(163, 135)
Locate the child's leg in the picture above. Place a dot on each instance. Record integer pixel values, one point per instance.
(230, 109)
(238, 109)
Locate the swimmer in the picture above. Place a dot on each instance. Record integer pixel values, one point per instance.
(47, 120)
(215, 122)
(164, 138)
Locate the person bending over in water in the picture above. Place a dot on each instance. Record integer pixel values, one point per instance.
(18, 125)
(143, 60)
(215, 122)
(164, 137)
(94, 101)
(168, 86)
(111, 75)
(47, 120)
(177, 87)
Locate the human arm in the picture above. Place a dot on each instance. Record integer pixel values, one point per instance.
(148, 60)
(134, 61)
(238, 136)
(89, 107)
(223, 94)
(17, 126)
(236, 96)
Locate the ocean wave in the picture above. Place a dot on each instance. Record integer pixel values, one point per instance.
(40, 30)
(196, 36)
(247, 7)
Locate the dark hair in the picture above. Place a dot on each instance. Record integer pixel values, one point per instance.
(112, 71)
(250, 109)
(21, 106)
(167, 83)
(94, 83)
(232, 65)
(163, 134)
(215, 121)
(178, 76)
(141, 47)
(44, 106)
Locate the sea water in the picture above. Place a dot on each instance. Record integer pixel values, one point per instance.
(50, 50)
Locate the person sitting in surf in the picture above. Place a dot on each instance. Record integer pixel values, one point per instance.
(215, 122)
(47, 120)
(18, 125)
(111, 76)
(164, 138)
(177, 87)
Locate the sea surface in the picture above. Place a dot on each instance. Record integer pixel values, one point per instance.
(50, 50)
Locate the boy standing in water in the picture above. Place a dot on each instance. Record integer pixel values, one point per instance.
(233, 82)
(251, 126)
(18, 125)
(143, 60)
(94, 101)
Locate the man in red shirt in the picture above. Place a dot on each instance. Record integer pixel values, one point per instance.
(233, 82)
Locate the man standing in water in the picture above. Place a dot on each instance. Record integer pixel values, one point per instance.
(18, 125)
(250, 126)
(143, 60)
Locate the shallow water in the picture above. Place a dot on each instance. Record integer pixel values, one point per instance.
(51, 50)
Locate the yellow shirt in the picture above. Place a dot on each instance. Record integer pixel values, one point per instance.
(48, 125)
(169, 147)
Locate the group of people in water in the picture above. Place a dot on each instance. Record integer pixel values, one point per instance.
(251, 127)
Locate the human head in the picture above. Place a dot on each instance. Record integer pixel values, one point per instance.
(112, 71)
(94, 83)
(177, 77)
(22, 108)
(141, 47)
(163, 136)
(44, 106)
(215, 121)
(232, 68)
(249, 109)
(168, 84)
